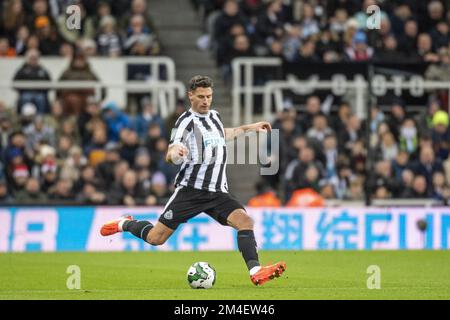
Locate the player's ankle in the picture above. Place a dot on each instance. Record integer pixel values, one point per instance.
(254, 270)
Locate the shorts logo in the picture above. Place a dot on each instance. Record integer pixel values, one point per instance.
(168, 215)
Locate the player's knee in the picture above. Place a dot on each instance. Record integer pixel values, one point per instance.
(245, 222)
(156, 240)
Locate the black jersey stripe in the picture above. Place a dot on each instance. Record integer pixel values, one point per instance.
(218, 126)
(181, 174)
(181, 118)
(209, 170)
(205, 124)
(222, 165)
(194, 174)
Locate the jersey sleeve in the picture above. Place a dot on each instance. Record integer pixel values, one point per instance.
(181, 132)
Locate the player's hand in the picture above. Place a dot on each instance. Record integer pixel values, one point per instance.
(263, 126)
(178, 152)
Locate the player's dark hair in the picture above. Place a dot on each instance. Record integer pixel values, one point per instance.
(200, 82)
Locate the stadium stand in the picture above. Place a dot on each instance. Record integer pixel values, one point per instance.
(69, 148)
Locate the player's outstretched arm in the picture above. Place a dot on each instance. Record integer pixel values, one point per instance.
(175, 153)
(263, 126)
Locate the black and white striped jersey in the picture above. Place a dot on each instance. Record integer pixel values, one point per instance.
(204, 136)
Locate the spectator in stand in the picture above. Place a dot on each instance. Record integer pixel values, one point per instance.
(49, 39)
(129, 144)
(146, 117)
(297, 174)
(398, 115)
(425, 118)
(95, 151)
(129, 192)
(20, 174)
(408, 40)
(265, 197)
(139, 40)
(13, 18)
(424, 52)
(440, 135)
(308, 22)
(55, 118)
(229, 17)
(307, 52)
(441, 70)
(359, 50)
(115, 120)
(427, 165)
(91, 195)
(40, 11)
(142, 163)
(418, 190)
(61, 192)
(388, 148)
(440, 35)
(73, 164)
(312, 109)
(408, 138)
(441, 190)
(270, 24)
(88, 177)
(139, 7)
(436, 13)
(350, 135)
(105, 170)
(32, 70)
(320, 128)
(89, 119)
(384, 177)
(292, 42)
(31, 194)
(74, 100)
(108, 39)
(159, 189)
(22, 36)
(389, 52)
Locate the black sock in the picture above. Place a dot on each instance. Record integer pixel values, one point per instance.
(138, 228)
(247, 246)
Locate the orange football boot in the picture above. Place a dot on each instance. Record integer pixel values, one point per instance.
(112, 227)
(267, 273)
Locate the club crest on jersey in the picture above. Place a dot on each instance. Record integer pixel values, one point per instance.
(168, 215)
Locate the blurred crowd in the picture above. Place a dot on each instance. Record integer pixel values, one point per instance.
(327, 154)
(79, 150)
(101, 156)
(108, 28)
(326, 30)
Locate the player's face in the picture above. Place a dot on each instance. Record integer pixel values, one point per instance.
(201, 99)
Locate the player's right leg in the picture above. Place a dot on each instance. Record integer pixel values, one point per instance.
(145, 230)
(185, 203)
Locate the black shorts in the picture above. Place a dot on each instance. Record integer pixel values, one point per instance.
(187, 202)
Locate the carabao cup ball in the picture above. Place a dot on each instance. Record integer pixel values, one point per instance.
(201, 275)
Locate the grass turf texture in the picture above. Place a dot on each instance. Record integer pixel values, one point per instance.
(162, 275)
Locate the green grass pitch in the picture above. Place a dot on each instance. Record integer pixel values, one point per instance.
(162, 275)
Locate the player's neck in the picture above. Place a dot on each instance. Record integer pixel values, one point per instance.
(198, 113)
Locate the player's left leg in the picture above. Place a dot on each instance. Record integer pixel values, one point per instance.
(243, 223)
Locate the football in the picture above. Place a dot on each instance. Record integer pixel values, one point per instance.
(201, 275)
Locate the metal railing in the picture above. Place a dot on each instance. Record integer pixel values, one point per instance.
(244, 79)
(164, 90)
